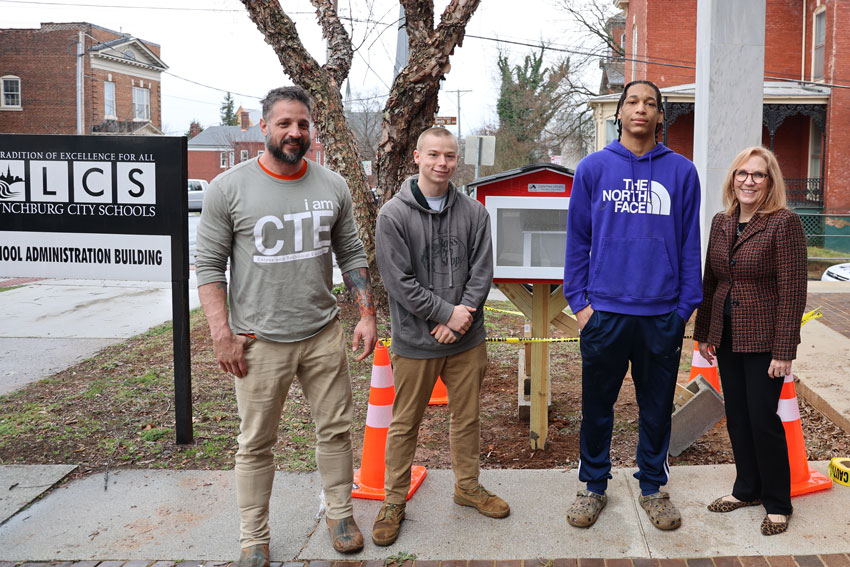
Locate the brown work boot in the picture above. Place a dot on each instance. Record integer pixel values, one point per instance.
(254, 556)
(345, 534)
(387, 524)
(482, 500)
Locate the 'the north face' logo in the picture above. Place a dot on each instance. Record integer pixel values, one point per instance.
(639, 197)
(11, 180)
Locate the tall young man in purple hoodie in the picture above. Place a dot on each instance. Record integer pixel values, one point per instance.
(632, 277)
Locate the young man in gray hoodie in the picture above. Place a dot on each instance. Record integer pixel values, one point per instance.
(435, 256)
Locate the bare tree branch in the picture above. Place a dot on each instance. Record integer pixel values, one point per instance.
(420, 22)
(340, 51)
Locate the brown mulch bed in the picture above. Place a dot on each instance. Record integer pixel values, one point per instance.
(116, 410)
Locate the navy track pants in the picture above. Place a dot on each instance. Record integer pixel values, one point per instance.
(653, 345)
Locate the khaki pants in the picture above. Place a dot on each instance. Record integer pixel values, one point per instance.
(322, 369)
(414, 381)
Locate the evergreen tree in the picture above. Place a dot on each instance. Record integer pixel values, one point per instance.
(228, 112)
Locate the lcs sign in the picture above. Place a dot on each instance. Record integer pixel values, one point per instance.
(75, 205)
(110, 188)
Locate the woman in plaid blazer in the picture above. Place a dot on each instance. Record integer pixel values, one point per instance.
(754, 294)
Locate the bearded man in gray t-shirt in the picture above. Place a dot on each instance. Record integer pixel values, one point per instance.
(278, 218)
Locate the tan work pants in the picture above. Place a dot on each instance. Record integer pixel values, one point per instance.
(414, 381)
(322, 369)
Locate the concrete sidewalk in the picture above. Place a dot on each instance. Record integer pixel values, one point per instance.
(146, 515)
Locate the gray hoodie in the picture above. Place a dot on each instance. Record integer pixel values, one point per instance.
(430, 262)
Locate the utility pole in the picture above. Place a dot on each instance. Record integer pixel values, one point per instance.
(458, 93)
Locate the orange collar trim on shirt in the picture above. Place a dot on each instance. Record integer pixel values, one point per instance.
(298, 175)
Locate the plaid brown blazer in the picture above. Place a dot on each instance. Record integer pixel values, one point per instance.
(764, 270)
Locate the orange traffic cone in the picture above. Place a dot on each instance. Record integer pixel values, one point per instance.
(803, 479)
(439, 397)
(369, 478)
(699, 365)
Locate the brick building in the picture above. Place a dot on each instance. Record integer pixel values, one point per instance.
(218, 148)
(115, 88)
(806, 100)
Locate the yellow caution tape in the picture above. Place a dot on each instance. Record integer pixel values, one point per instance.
(811, 315)
(839, 470)
(531, 340)
(503, 311)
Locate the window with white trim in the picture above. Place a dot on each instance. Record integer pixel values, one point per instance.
(818, 42)
(815, 149)
(141, 104)
(223, 157)
(11, 95)
(243, 155)
(610, 130)
(232, 156)
(260, 152)
(109, 99)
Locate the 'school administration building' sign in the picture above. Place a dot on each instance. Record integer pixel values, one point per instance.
(103, 207)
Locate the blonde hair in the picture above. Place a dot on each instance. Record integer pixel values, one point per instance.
(437, 131)
(774, 199)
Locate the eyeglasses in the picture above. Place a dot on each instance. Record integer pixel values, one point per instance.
(758, 176)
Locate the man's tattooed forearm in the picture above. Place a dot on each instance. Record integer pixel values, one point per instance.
(358, 284)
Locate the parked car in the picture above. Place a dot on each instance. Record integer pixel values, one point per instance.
(837, 273)
(197, 190)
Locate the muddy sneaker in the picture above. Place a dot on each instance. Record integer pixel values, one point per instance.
(254, 556)
(586, 508)
(345, 535)
(482, 500)
(661, 511)
(387, 524)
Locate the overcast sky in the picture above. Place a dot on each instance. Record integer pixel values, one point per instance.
(215, 44)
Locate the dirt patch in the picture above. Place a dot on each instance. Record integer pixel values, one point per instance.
(115, 410)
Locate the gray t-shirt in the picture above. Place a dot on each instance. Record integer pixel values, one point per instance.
(279, 234)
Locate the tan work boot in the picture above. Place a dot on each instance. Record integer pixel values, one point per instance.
(387, 524)
(345, 534)
(482, 500)
(254, 556)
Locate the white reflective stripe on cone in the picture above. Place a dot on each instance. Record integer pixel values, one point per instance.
(379, 416)
(788, 410)
(382, 377)
(700, 362)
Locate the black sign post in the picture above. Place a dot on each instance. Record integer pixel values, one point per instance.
(102, 207)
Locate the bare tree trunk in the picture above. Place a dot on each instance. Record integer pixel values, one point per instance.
(323, 84)
(412, 103)
(409, 110)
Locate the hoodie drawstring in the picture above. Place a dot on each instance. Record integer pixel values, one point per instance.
(449, 253)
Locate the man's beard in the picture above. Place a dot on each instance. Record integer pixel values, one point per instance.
(290, 158)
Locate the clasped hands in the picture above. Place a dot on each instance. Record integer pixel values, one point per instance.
(459, 322)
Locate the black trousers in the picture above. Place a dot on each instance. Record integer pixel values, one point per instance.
(755, 429)
(653, 345)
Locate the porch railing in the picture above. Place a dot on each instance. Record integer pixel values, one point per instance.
(804, 191)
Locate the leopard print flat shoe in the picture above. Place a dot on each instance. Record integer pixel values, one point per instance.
(722, 506)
